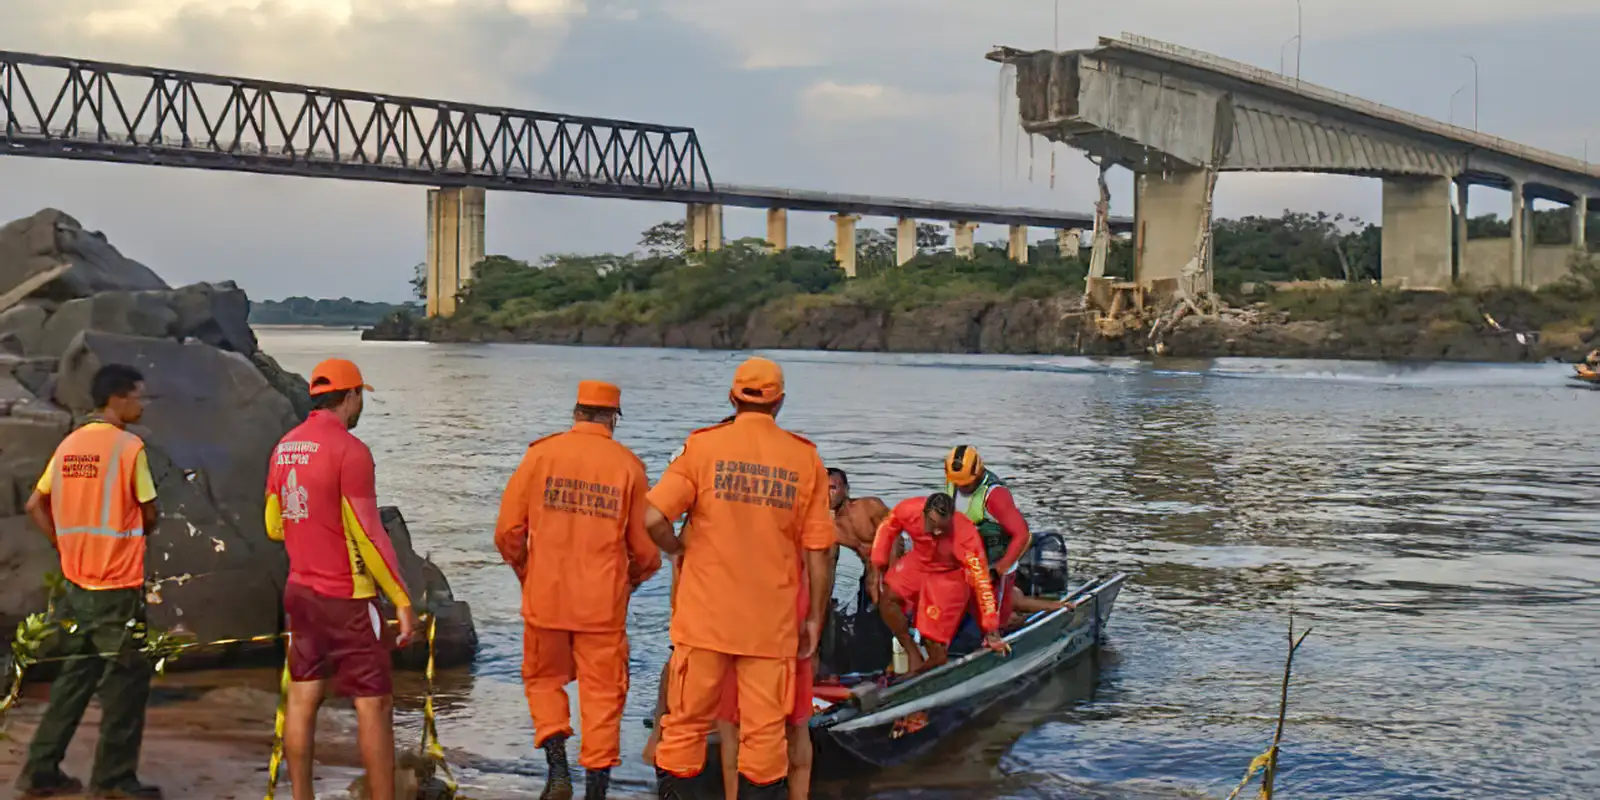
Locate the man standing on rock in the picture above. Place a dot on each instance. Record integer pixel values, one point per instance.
(572, 526)
(757, 498)
(322, 503)
(96, 502)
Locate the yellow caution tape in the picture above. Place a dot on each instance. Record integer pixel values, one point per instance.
(277, 730)
(430, 730)
(1256, 765)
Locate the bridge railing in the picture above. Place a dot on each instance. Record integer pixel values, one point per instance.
(1239, 69)
(67, 108)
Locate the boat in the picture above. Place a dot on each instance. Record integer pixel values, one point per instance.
(875, 724)
(1586, 376)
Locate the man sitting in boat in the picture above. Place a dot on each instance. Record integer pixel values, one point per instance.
(945, 569)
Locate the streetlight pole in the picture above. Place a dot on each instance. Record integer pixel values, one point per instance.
(1299, 35)
(1474, 90)
(1453, 96)
(1284, 48)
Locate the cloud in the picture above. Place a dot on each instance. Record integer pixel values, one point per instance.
(860, 102)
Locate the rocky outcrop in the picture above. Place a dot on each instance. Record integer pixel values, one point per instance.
(1054, 326)
(216, 407)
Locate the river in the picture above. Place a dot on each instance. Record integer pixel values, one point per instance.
(1437, 527)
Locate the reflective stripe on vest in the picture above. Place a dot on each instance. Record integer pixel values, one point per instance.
(99, 523)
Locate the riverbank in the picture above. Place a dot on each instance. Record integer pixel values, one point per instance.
(1356, 322)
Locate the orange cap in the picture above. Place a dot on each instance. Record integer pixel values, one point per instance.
(758, 380)
(337, 375)
(599, 394)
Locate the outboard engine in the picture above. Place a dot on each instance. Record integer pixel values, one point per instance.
(1043, 571)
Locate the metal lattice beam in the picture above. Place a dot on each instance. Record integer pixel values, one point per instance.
(88, 110)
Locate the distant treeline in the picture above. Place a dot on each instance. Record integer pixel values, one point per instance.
(342, 312)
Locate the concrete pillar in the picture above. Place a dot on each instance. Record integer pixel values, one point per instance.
(1459, 267)
(963, 238)
(844, 242)
(778, 228)
(1169, 210)
(1069, 242)
(905, 241)
(1519, 248)
(455, 244)
(702, 230)
(1416, 232)
(1580, 223)
(1017, 244)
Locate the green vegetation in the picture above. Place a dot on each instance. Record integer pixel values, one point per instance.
(661, 284)
(343, 312)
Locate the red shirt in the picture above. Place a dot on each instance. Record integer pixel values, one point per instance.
(961, 549)
(322, 503)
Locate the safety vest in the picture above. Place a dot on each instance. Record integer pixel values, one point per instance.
(99, 524)
(995, 538)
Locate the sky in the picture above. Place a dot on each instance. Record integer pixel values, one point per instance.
(889, 97)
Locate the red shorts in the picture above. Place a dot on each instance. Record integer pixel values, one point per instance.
(937, 599)
(804, 676)
(338, 638)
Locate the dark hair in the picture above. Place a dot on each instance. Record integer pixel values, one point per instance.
(744, 406)
(728, 419)
(941, 504)
(835, 472)
(599, 414)
(327, 401)
(113, 380)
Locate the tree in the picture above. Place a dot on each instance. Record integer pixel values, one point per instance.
(665, 239)
(931, 236)
(419, 282)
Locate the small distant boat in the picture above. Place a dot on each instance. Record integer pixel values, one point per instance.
(1585, 375)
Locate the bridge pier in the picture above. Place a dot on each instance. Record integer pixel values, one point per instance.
(905, 241)
(778, 228)
(1068, 242)
(1580, 224)
(1169, 210)
(963, 238)
(455, 244)
(1460, 265)
(702, 228)
(844, 242)
(1017, 244)
(1519, 229)
(1416, 232)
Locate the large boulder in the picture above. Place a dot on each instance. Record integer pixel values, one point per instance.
(49, 238)
(456, 641)
(215, 313)
(25, 558)
(146, 314)
(23, 324)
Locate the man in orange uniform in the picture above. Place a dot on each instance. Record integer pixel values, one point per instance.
(572, 526)
(96, 504)
(933, 579)
(757, 496)
(322, 503)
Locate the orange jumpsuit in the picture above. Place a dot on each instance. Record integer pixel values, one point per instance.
(572, 526)
(757, 496)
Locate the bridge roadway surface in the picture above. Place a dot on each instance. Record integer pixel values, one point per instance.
(100, 111)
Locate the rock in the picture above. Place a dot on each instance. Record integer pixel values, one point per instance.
(456, 640)
(34, 244)
(25, 323)
(217, 314)
(147, 314)
(25, 558)
(291, 385)
(26, 444)
(209, 409)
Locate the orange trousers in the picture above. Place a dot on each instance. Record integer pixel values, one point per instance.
(599, 661)
(694, 692)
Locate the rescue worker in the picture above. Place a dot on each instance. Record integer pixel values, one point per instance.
(96, 503)
(944, 570)
(322, 504)
(756, 496)
(571, 525)
(983, 498)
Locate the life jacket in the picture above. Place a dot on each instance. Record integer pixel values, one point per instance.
(995, 538)
(99, 523)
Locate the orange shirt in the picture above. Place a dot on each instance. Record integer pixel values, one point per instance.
(756, 496)
(960, 549)
(572, 526)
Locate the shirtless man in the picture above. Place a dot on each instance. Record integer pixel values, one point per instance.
(855, 521)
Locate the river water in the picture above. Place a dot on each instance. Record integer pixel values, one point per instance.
(1438, 527)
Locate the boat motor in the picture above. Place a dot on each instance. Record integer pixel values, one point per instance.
(1043, 571)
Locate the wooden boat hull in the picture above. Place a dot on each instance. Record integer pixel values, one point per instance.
(884, 727)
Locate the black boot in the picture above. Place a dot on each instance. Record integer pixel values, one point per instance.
(558, 780)
(777, 790)
(672, 787)
(595, 784)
